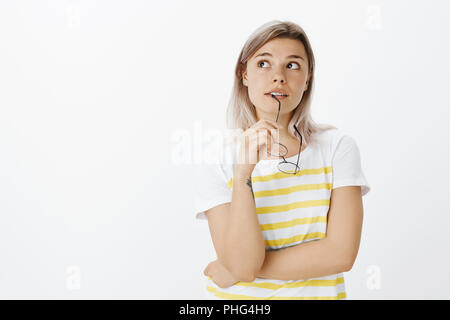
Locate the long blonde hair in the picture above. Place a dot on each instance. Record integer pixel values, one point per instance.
(241, 113)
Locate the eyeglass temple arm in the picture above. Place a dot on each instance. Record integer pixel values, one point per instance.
(301, 142)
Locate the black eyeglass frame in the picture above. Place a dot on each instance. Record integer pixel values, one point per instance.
(299, 151)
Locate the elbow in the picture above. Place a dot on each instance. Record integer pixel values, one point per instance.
(251, 275)
(239, 271)
(342, 258)
(246, 271)
(347, 265)
(247, 274)
(248, 277)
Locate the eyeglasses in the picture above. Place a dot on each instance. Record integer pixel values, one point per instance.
(287, 166)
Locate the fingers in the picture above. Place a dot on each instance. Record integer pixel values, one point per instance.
(258, 138)
(265, 133)
(261, 135)
(264, 125)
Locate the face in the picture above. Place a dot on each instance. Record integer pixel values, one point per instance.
(271, 67)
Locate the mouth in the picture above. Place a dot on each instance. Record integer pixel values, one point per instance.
(278, 95)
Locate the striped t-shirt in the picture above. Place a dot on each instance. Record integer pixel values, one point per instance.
(291, 209)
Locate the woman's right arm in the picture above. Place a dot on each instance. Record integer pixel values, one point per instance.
(235, 228)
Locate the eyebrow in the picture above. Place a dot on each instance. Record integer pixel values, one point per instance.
(290, 56)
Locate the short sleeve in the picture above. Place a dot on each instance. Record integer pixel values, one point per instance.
(211, 188)
(346, 165)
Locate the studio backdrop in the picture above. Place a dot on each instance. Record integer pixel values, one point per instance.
(106, 106)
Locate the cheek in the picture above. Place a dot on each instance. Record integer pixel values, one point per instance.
(256, 93)
(253, 94)
(256, 86)
(298, 79)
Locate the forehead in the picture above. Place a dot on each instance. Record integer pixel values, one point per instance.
(282, 48)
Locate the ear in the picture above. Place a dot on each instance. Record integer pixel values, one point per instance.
(244, 78)
(307, 83)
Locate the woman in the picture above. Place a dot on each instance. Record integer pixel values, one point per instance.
(286, 216)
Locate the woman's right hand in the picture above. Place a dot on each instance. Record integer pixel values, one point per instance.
(256, 141)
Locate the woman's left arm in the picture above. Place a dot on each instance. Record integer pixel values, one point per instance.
(333, 254)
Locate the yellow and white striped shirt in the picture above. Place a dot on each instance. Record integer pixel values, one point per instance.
(291, 209)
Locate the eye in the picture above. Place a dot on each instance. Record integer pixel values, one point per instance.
(295, 63)
(259, 63)
(290, 63)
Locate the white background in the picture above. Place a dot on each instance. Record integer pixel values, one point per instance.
(93, 94)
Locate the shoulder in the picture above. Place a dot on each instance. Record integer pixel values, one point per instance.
(326, 140)
(331, 138)
(334, 141)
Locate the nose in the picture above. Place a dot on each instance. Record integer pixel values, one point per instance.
(278, 77)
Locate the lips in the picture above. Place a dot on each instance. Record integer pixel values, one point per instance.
(275, 97)
(277, 90)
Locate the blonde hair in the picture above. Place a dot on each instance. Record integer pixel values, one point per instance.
(241, 112)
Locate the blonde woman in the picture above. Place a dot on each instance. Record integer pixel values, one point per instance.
(288, 224)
